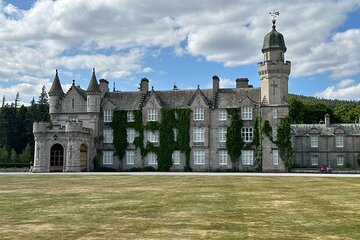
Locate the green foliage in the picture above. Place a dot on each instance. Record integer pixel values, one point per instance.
(267, 129)
(284, 142)
(26, 155)
(346, 113)
(311, 112)
(358, 159)
(119, 124)
(257, 142)
(13, 156)
(234, 142)
(165, 127)
(4, 155)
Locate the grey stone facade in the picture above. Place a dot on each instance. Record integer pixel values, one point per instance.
(80, 127)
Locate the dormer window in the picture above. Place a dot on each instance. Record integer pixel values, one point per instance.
(152, 115)
(246, 113)
(199, 114)
(108, 114)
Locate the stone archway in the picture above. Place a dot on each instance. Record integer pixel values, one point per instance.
(56, 158)
(83, 157)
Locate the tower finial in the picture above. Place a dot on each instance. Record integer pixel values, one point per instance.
(274, 14)
(56, 71)
(93, 70)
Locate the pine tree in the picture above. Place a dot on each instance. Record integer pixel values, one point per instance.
(17, 99)
(4, 155)
(14, 156)
(3, 102)
(26, 156)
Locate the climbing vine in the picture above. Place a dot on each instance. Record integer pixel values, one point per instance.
(234, 142)
(165, 127)
(119, 124)
(257, 142)
(284, 142)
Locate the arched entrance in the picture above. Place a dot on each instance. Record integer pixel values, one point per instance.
(83, 157)
(56, 158)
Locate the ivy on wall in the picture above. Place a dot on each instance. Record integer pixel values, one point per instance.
(257, 142)
(165, 127)
(119, 125)
(284, 142)
(234, 142)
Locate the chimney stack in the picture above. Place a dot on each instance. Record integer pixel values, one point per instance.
(327, 120)
(242, 83)
(144, 85)
(104, 87)
(216, 83)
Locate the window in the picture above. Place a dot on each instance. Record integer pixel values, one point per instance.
(274, 134)
(72, 103)
(247, 134)
(130, 157)
(199, 114)
(108, 135)
(246, 113)
(152, 115)
(176, 115)
(247, 157)
(199, 157)
(176, 157)
(108, 115)
(130, 116)
(130, 135)
(108, 157)
(314, 160)
(339, 140)
(199, 135)
(152, 158)
(153, 137)
(314, 141)
(222, 134)
(223, 157)
(274, 113)
(176, 133)
(222, 115)
(340, 160)
(275, 157)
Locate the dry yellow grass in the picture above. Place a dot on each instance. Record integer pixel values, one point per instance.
(178, 207)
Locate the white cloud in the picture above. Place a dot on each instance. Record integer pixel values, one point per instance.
(83, 34)
(347, 89)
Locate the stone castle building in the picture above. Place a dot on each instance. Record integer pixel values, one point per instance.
(80, 128)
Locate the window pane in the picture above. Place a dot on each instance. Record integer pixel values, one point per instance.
(222, 115)
(246, 113)
(247, 134)
(275, 157)
(176, 157)
(130, 157)
(223, 157)
(199, 114)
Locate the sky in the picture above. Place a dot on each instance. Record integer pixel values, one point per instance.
(176, 42)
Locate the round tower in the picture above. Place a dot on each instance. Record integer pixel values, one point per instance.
(274, 71)
(55, 95)
(93, 94)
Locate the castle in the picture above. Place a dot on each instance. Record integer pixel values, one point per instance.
(82, 128)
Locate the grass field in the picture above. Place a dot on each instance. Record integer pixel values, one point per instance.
(178, 207)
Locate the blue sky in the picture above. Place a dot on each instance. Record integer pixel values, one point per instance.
(182, 42)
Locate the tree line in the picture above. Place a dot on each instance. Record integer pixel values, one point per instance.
(16, 137)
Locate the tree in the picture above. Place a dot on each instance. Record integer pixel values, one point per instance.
(43, 98)
(14, 156)
(4, 155)
(17, 99)
(26, 156)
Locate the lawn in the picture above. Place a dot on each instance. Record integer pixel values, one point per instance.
(81, 206)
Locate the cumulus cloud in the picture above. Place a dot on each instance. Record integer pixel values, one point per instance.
(116, 36)
(347, 89)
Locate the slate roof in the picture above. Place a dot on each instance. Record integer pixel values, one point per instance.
(125, 100)
(303, 129)
(231, 97)
(56, 86)
(93, 85)
(225, 98)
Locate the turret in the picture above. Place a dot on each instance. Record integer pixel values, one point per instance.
(55, 95)
(93, 94)
(274, 71)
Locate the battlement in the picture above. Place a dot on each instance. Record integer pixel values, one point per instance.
(76, 126)
(41, 127)
(264, 63)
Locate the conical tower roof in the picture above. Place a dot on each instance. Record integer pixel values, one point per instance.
(93, 85)
(56, 88)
